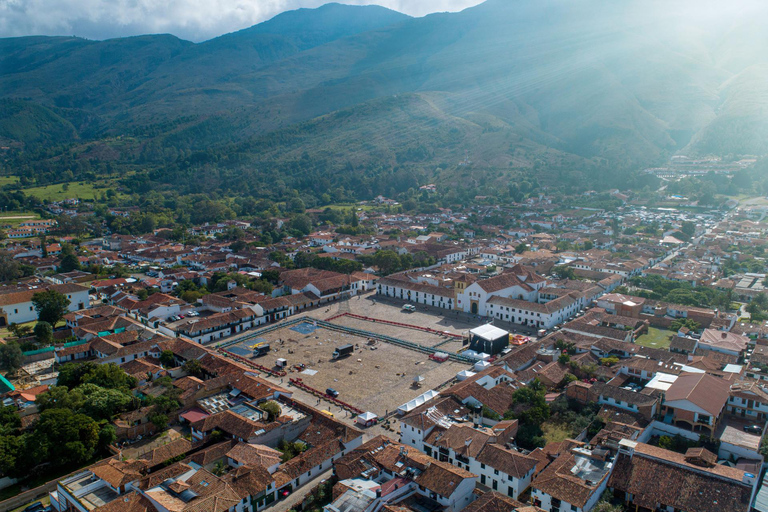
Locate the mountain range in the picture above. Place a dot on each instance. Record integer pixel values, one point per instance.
(550, 88)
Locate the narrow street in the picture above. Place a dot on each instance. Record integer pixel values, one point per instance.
(297, 497)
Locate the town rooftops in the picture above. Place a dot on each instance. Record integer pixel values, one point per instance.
(656, 477)
(703, 390)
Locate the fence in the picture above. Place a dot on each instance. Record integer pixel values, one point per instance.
(351, 330)
(399, 324)
(309, 389)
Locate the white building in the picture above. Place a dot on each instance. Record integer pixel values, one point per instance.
(16, 307)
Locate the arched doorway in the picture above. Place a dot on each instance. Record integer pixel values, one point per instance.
(474, 308)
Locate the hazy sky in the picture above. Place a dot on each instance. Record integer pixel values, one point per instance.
(196, 20)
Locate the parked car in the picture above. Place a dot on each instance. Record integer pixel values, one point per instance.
(753, 429)
(284, 493)
(332, 392)
(35, 507)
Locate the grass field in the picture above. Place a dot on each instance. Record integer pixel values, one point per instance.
(656, 338)
(554, 433)
(57, 193)
(8, 180)
(16, 218)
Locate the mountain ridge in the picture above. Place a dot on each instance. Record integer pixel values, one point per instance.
(578, 86)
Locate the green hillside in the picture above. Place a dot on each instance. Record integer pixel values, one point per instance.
(570, 93)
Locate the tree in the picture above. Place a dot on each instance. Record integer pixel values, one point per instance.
(9, 419)
(60, 397)
(107, 436)
(20, 331)
(605, 506)
(101, 403)
(9, 267)
(387, 261)
(521, 248)
(109, 376)
(64, 437)
(51, 306)
(688, 228)
(13, 455)
(167, 359)
(272, 409)
(160, 421)
(10, 356)
(43, 333)
(564, 272)
(69, 261)
(302, 223)
(142, 294)
(689, 323)
(193, 367)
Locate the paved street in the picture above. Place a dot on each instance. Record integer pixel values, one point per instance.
(297, 497)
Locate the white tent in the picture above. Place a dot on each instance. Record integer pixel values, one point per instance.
(366, 418)
(464, 374)
(422, 398)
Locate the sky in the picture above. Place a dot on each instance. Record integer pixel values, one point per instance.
(195, 20)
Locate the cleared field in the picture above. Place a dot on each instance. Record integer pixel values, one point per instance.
(15, 218)
(656, 338)
(8, 180)
(58, 193)
(377, 377)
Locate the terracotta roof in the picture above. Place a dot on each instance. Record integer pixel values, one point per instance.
(507, 461)
(496, 502)
(167, 451)
(254, 455)
(655, 476)
(442, 478)
(117, 473)
(129, 502)
(703, 390)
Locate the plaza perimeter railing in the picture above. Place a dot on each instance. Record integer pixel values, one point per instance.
(349, 330)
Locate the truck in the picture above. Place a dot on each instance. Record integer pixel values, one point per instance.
(343, 351)
(410, 308)
(261, 350)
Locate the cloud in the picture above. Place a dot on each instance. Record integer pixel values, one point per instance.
(196, 20)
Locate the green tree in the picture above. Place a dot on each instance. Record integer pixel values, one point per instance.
(109, 376)
(43, 333)
(564, 272)
(9, 419)
(101, 403)
(689, 323)
(64, 437)
(60, 397)
(302, 223)
(521, 248)
(167, 359)
(160, 421)
(69, 261)
(20, 331)
(9, 268)
(13, 454)
(272, 409)
(688, 228)
(10, 356)
(107, 437)
(51, 306)
(193, 367)
(387, 261)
